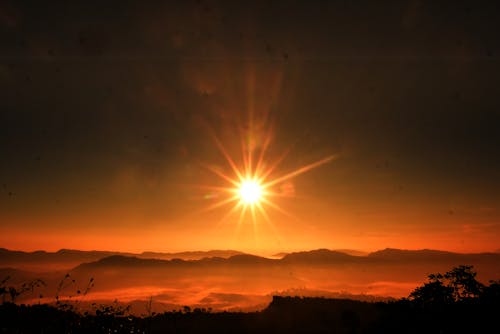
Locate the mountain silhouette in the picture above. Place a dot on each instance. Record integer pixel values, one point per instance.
(428, 255)
(69, 258)
(320, 272)
(319, 256)
(314, 257)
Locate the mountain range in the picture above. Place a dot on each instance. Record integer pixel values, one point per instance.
(228, 279)
(67, 258)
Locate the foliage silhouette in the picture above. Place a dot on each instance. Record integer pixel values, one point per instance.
(456, 285)
(463, 281)
(464, 306)
(14, 292)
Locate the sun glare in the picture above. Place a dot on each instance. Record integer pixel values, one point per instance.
(254, 184)
(250, 192)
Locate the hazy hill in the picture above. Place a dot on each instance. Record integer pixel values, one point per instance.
(65, 259)
(279, 255)
(421, 254)
(249, 260)
(352, 252)
(62, 255)
(429, 255)
(387, 272)
(193, 255)
(124, 261)
(314, 257)
(245, 281)
(137, 263)
(320, 256)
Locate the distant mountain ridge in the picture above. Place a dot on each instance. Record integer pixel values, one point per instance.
(319, 256)
(245, 279)
(352, 252)
(314, 257)
(397, 255)
(74, 258)
(68, 258)
(7, 253)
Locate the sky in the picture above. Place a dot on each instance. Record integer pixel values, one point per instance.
(113, 116)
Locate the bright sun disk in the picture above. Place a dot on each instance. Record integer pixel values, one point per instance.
(253, 186)
(250, 191)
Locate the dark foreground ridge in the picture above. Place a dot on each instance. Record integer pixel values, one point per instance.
(454, 302)
(283, 315)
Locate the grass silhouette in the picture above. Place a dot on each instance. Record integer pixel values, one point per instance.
(454, 302)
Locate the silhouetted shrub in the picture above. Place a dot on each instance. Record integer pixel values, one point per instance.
(451, 303)
(458, 284)
(12, 292)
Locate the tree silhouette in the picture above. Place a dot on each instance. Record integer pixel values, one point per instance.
(491, 294)
(456, 285)
(13, 292)
(434, 292)
(463, 281)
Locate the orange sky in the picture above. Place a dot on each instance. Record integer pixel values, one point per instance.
(108, 126)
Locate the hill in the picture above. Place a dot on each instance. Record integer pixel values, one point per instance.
(245, 282)
(66, 259)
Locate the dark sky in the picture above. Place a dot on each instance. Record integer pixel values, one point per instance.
(106, 111)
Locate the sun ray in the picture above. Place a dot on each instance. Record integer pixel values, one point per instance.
(245, 148)
(254, 223)
(278, 208)
(275, 194)
(254, 187)
(299, 171)
(228, 157)
(222, 175)
(263, 149)
(276, 163)
(222, 203)
(254, 217)
(227, 215)
(249, 150)
(215, 188)
(269, 221)
(240, 220)
(263, 212)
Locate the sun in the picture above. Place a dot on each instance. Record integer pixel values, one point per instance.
(250, 192)
(253, 185)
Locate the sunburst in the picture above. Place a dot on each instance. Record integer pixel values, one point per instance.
(251, 187)
(250, 192)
